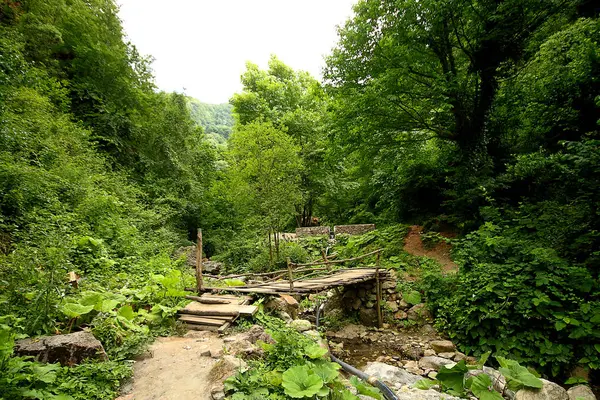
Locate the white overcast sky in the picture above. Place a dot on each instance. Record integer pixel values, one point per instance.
(201, 46)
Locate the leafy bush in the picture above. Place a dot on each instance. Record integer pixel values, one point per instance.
(541, 301)
(455, 381)
(21, 378)
(292, 367)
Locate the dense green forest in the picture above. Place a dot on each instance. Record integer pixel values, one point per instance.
(478, 118)
(215, 119)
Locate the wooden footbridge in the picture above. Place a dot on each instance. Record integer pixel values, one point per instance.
(210, 309)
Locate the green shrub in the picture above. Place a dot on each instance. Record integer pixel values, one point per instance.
(517, 298)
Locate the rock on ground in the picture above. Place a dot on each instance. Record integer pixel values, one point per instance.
(70, 349)
(443, 346)
(350, 333)
(368, 316)
(396, 377)
(226, 367)
(283, 303)
(301, 325)
(581, 391)
(407, 393)
(434, 363)
(256, 333)
(419, 313)
(549, 391)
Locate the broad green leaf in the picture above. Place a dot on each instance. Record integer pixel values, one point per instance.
(365, 388)
(326, 370)
(298, 382)
(324, 391)
(109, 305)
(425, 384)
(92, 299)
(483, 359)
(74, 310)
(126, 312)
(482, 387)
(315, 351)
(517, 376)
(453, 379)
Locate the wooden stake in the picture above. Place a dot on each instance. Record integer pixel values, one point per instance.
(289, 266)
(326, 260)
(378, 288)
(199, 278)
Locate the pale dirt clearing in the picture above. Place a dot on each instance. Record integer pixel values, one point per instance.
(176, 370)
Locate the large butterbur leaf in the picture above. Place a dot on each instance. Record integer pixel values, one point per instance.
(453, 379)
(517, 376)
(299, 382)
(483, 387)
(74, 310)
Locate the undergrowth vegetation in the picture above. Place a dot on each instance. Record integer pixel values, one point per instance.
(294, 366)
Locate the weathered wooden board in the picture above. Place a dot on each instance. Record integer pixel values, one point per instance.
(219, 309)
(192, 319)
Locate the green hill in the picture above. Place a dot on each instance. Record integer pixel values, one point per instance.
(215, 119)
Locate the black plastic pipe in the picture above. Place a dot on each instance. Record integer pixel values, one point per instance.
(387, 392)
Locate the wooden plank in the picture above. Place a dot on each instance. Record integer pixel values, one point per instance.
(190, 319)
(205, 300)
(219, 309)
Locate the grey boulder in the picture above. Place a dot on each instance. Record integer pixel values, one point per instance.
(581, 392)
(549, 391)
(70, 349)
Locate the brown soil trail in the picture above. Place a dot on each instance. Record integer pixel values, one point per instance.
(176, 370)
(440, 252)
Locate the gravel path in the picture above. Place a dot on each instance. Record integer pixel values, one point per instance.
(176, 369)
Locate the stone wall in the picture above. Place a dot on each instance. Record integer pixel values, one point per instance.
(362, 299)
(313, 231)
(353, 229)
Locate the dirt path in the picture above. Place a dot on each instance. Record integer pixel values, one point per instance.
(440, 252)
(176, 370)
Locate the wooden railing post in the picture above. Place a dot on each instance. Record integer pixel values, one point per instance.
(199, 278)
(326, 261)
(378, 288)
(290, 276)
